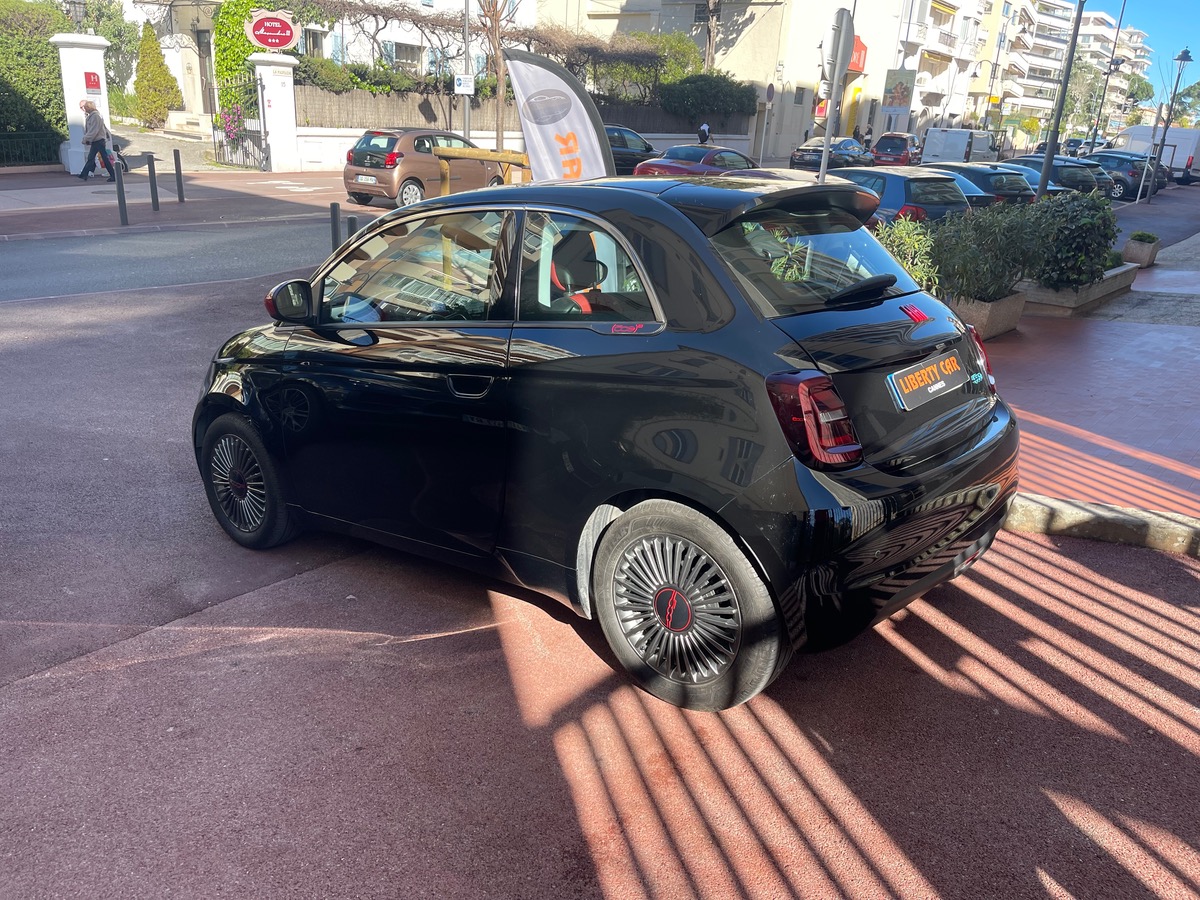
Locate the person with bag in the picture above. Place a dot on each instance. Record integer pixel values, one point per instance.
(95, 138)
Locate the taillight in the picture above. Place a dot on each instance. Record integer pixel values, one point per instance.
(350, 155)
(393, 159)
(981, 354)
(916, 213)
(814, 419)
(1191, 159)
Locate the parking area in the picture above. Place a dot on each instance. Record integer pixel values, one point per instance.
(181, 716)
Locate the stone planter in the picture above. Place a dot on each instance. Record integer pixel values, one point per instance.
(1140, 252)
(991, 319)
(1041, 301)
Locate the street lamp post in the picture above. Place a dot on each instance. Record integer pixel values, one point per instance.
(1114, 65)
(1183, 59)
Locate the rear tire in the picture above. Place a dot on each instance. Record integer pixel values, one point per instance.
(361, 199)
(683, 609)
(496, 182)
(244, 488)
(410, 192)
(1117, 191)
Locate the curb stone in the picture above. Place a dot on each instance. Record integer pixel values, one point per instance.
(1171, 532)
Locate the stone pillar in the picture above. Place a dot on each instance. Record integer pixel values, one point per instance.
(82, 60)
(279, 113)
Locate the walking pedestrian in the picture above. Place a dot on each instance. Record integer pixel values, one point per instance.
(95, 138)
(703, 134)
(857, 134)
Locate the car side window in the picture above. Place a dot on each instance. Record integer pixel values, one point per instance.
(730, 160)
(437, 268)
(423, 144)
(616, 137)
(635, 142)
(572, 269)
(865, 179)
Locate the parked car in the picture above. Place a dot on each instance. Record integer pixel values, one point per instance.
(1087, 148)
(1067, 173)
(695, 159)
(843, 151)
(1162, 175)
(398, 164)
(628, 148)
(1104, 182)
(1002, 184)
(1034, 176)
(976, 196)
(918, 193)
(1069, 146)
(1125, 174)
(897, 148)
(565, 385)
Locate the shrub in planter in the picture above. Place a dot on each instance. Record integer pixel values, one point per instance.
(1141, 248)
(1144, 237)
(911, 243)
(1075, 232)
(982, 256)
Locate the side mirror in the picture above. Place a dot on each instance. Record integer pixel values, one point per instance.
(291, 302)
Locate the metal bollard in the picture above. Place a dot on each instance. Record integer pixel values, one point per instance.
(153, 181)
(351, 226)
(178, 175)
(335, 224)
(121, 208)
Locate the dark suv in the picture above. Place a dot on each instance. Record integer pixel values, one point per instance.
(897, 148)
(628, 148)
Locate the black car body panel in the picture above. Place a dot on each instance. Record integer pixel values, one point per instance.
(628, 148)
(1003, 184)
(843, 151)
(508, 441)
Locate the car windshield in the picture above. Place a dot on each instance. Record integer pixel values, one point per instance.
(891, 144)
(372, 141)
(687, 152)
(792, 262)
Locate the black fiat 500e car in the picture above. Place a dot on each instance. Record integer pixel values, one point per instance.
(712, 413)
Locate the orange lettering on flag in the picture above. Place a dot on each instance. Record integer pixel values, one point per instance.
(568, 148)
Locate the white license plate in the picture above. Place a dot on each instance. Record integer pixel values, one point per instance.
(365, 179)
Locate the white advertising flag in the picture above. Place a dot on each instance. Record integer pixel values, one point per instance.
(564, 136)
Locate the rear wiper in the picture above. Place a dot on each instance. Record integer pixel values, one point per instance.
(876, 284)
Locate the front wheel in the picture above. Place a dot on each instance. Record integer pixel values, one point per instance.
(243, 485)
(411, 192)
(684, 610)
(1117, 191)
(496, 182)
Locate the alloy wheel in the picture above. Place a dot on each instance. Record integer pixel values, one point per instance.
(238, 482)
(676, 609)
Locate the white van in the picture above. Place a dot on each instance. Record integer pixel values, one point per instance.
(958, 145)
(1181, 151)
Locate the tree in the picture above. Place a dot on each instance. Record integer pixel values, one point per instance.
(107, 19)
(496, 17)
(1083, 95)
(1031, 126)
(156, 88)
(31, 97)
(712, 23)
(1187, 103)
(1140, 89)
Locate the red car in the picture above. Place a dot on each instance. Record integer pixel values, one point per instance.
(897, 148)
(695, 159)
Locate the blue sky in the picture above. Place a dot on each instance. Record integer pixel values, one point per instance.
(1170, 25)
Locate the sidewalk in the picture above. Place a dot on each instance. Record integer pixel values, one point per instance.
(1107, 403)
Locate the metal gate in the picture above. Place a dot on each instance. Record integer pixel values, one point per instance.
(239, 136)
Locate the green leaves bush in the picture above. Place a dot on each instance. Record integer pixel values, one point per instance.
(984, 254)
(323, 73)
(709, 97)
(911, 243)
(31, 98)
(1076, 232)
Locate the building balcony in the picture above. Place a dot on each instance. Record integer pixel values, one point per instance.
(1010, 88)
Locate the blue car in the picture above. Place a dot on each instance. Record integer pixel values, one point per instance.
(907, 191)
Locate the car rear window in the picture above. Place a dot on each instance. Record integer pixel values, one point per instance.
(792, 262)
(385, 142)
(684, 151)
(891, 144)
(1076, 177)
(1008, 184)
(934, 191)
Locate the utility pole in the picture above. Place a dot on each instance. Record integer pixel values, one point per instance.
(467, 67)
(1052, 140)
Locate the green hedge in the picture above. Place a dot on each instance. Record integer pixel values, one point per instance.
(709, 97)
(31, 96)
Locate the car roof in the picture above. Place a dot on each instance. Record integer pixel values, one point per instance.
(897, 134)
(711, 202)
(895, 171)
(964, 166)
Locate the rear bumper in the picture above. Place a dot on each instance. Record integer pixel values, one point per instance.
(384, 185)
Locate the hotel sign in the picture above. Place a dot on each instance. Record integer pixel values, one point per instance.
(272, 29)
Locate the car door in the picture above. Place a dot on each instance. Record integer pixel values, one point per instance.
(623, 159)
(465, 174)
(405, 372)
